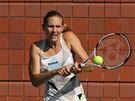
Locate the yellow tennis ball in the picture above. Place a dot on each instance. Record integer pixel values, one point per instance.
(98, 60)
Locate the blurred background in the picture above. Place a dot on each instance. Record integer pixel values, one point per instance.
(21, 25)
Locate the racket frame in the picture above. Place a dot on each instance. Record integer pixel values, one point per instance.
(93, 54)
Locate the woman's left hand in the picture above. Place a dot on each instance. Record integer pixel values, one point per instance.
(76, 69)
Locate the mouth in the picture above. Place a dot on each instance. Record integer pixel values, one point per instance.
(54, 36)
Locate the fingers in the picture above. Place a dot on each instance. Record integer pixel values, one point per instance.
(64, 71)
(76, 68)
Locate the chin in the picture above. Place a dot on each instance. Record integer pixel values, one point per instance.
(54, 39)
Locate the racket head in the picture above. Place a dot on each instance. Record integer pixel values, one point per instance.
(115, 49)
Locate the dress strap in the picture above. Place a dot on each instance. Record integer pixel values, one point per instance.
(42, 46)
(63, 44)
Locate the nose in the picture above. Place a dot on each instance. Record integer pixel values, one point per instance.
(54, 29)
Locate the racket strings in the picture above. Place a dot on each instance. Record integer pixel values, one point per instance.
(114, 50)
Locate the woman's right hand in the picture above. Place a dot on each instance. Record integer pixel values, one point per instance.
(64, 71)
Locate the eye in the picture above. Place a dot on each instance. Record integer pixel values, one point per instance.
(58, 26)
(51, 26)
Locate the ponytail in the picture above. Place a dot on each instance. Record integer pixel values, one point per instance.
(66, 28)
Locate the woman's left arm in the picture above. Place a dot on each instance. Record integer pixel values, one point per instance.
(74, 44)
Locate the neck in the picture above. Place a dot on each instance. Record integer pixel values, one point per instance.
(53, 45)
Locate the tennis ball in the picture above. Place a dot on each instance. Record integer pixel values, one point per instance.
(98, 60)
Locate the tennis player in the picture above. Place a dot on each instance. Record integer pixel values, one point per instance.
(52, 61)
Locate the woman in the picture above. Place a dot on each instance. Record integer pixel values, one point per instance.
(52, 61)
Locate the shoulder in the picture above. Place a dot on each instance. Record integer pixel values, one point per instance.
(35, 46)
(71, 39)
(68, 33)
(69, 36)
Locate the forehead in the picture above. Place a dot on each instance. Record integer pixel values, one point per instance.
(54, 20)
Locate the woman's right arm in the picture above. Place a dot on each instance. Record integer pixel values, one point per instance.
(36, 76)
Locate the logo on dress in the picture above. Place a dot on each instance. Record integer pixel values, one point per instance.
(53, 64)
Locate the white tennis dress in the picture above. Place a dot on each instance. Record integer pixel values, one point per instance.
(61, 88)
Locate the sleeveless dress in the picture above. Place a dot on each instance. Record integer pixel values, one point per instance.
(61, 88)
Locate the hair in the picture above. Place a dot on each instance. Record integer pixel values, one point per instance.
(53, 13)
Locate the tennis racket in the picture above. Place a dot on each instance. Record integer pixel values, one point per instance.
(114, 48)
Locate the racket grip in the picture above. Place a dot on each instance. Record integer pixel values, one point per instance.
(79, 66)
(86, 68)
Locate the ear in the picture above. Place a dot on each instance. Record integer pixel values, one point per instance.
(63, 27)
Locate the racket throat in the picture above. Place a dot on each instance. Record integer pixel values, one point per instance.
(82, 65)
